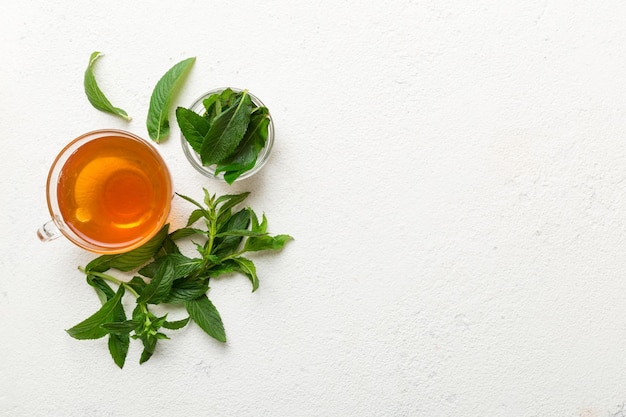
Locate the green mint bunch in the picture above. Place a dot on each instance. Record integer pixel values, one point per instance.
(221, 232)
(230, 133)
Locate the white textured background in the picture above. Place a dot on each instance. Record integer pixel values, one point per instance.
(453, 173)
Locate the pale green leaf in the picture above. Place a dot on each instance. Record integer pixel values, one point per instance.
(95, 95)
(158, 114)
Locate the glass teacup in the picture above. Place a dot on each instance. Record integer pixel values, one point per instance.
(108, 191)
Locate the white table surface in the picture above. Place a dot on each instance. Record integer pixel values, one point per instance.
(453, 173)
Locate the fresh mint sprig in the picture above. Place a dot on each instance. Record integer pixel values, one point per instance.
(221, 232)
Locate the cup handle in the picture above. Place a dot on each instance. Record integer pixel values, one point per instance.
(48, 231)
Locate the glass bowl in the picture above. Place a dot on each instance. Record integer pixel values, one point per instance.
(209, 171)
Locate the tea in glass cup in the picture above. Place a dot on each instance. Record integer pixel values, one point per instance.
(108, 191)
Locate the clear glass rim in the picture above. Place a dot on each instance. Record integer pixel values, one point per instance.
(209, 171)
(53, 176)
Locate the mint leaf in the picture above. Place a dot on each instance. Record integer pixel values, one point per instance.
(160, 284)
(90, 328)
(183, 290)
(217, 103)
(186, 232)
(182, 265)
(157, 122)
(129, 260)
(203, 312)
(240, 233)
(137, 284)
(194, 202)
(208, 104)
(103, 290)
(95, 96)
(244, 157)
(226, 203)
(163, 272)
(224, 267)
(257, 243)
(118, 343)
(118, 348)
(226, 131)
(175, 325)
(168, 246)
(195, 216)
(246, 267)
(256, 226)
(149, 344)
(120, 327)
(193, 127)
(224, 244)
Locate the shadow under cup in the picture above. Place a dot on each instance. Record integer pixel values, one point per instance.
(108, 191)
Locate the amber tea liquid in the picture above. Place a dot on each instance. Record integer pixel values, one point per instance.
(114, 191)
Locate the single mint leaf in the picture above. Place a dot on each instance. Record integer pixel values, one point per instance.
(217, 103)
(226, 203)
(245, 156)
(91, 328)
(138, 314)
(203, 312)
(137, 284)
(228, 98)
(195, 203)
(149, 345)
(231, 176)
(118, 342)
(215, 260)
(160, 284)
(168, 246)
(157, 122)
(193, 127)
(256, 226)
(246, 267)
(103, 290)
(95, 96)
(195, 216)
(183, 265)
(208, 104)
(226, 131)
(225, 267)
(240, 232)
(186, 232)
(129, 260)
(118, 348)
(186, 289)
(120, 327)
(175, 325)
(225, 245)
(209, 199)
(158, 322)
(259, 243)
